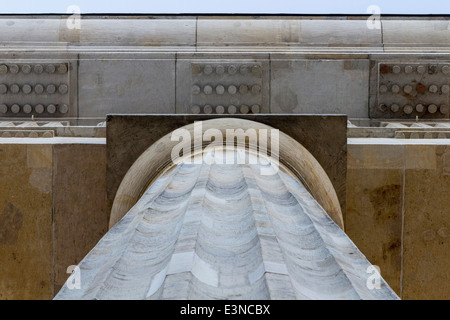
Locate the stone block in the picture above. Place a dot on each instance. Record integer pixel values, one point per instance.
(79, 200)
(126, 86)
(25, 221)
(340, 33)
(43, 30)
(408, 90)
(376, 156)
(426, 256)
(52, 211)
(415, 32)
(223, 86)
(157, 32)
(374, 206)
(320, 86)
(43, 88)
(285, 32)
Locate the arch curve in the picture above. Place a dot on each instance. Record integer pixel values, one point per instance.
(293, 157)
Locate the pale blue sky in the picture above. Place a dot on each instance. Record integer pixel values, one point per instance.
(228, 6)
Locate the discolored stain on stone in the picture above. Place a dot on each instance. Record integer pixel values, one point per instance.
(384, 69)
(196, 69)
(428, 235)
(391, 251)
(385, 198)
(425, 216)
(352, 65)
(79, 216)
(39, 156)
(443, 232)
(11, 221)
(39, 179)
(420, 88)
(287, 100)
(160, 147)
(446, 163)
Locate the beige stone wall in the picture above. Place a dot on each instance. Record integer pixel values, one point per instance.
(25, 221)
(398, 197)
(52, 212)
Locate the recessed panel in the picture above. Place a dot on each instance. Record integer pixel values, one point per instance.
(411, 90)
(42, 89)
(222, 86)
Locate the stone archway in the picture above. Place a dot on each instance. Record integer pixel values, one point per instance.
(293, 157)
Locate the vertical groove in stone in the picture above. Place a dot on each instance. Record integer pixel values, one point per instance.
(306, 257)
(278, 284)
(187, 238)
(228, 242)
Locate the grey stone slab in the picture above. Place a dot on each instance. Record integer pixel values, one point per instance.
(64, 29)
(130, 86)
(330, 55)
(222, 55)
(7, 53)
(242, 31)
(414, 33)
(112, 54)
(320, 86)
(32, 30)
(141, 32)
(340, 32)
(285, 31)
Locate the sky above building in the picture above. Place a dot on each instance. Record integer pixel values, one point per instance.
(228, 6)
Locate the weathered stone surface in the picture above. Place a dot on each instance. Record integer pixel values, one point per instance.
(25, 221)
(159, 31)
(126, 86)
(52, 212)
(374, 206)
(188, 32)
(285, 32)
(397, 208)
(236, 83)
(79, 204)
(320, 86)
(409, 88)
(426, 256)
(415, 33)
